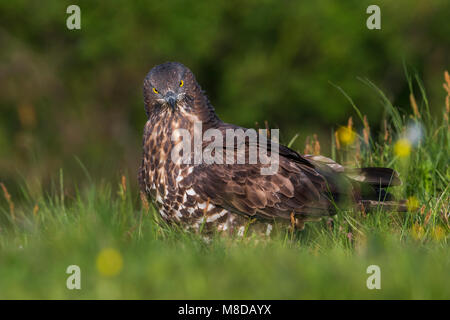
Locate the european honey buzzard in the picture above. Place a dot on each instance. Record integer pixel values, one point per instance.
(227, 197)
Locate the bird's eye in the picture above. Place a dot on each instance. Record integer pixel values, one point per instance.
(155, 91)
(181, 83)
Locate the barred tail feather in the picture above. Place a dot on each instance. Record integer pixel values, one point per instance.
(375, 176)
(396, 206)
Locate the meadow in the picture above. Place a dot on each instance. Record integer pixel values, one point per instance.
(125, 251)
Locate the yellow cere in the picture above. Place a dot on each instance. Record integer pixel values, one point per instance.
(109, 262)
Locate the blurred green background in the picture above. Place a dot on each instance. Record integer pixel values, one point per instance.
(68, 94)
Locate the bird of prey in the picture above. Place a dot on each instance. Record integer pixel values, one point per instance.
(233, 196)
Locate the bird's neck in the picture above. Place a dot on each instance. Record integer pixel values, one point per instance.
(189, 115)
(203, 110)
(167, 128)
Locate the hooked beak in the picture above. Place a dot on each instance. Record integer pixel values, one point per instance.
(171, 99)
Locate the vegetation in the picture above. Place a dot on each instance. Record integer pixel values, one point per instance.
(71, 120)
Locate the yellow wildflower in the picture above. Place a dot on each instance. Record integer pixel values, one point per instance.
(346, 136)
(402, 148)
(109, 262)
(417, 231)
(412, 203)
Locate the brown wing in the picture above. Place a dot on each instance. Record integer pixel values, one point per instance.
(297, 187)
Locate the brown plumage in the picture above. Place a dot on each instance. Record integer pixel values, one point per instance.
(229, 196)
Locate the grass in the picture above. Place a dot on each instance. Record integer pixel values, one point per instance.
(125, 251)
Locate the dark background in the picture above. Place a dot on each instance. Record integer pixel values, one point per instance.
(77, 94)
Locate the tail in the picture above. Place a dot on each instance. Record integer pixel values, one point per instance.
(395, 206)
(369, 184)
(372, 183)
(375, 176)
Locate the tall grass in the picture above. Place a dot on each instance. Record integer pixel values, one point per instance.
(125, 251)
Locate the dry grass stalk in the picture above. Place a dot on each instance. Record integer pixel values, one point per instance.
(413, 102)
(366, 130)
(124, 184)
(206, 208)
(144, 201)
(446, 86)
(386, 131)
(350, 123)
(336, 137)
(427, 218)
(35, 210)
(316, 145)
(308, 147)
(266, 123)
(422, 210)
(9, 200)
(26, 115)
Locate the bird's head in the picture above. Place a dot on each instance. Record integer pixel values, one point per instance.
(170, 85)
